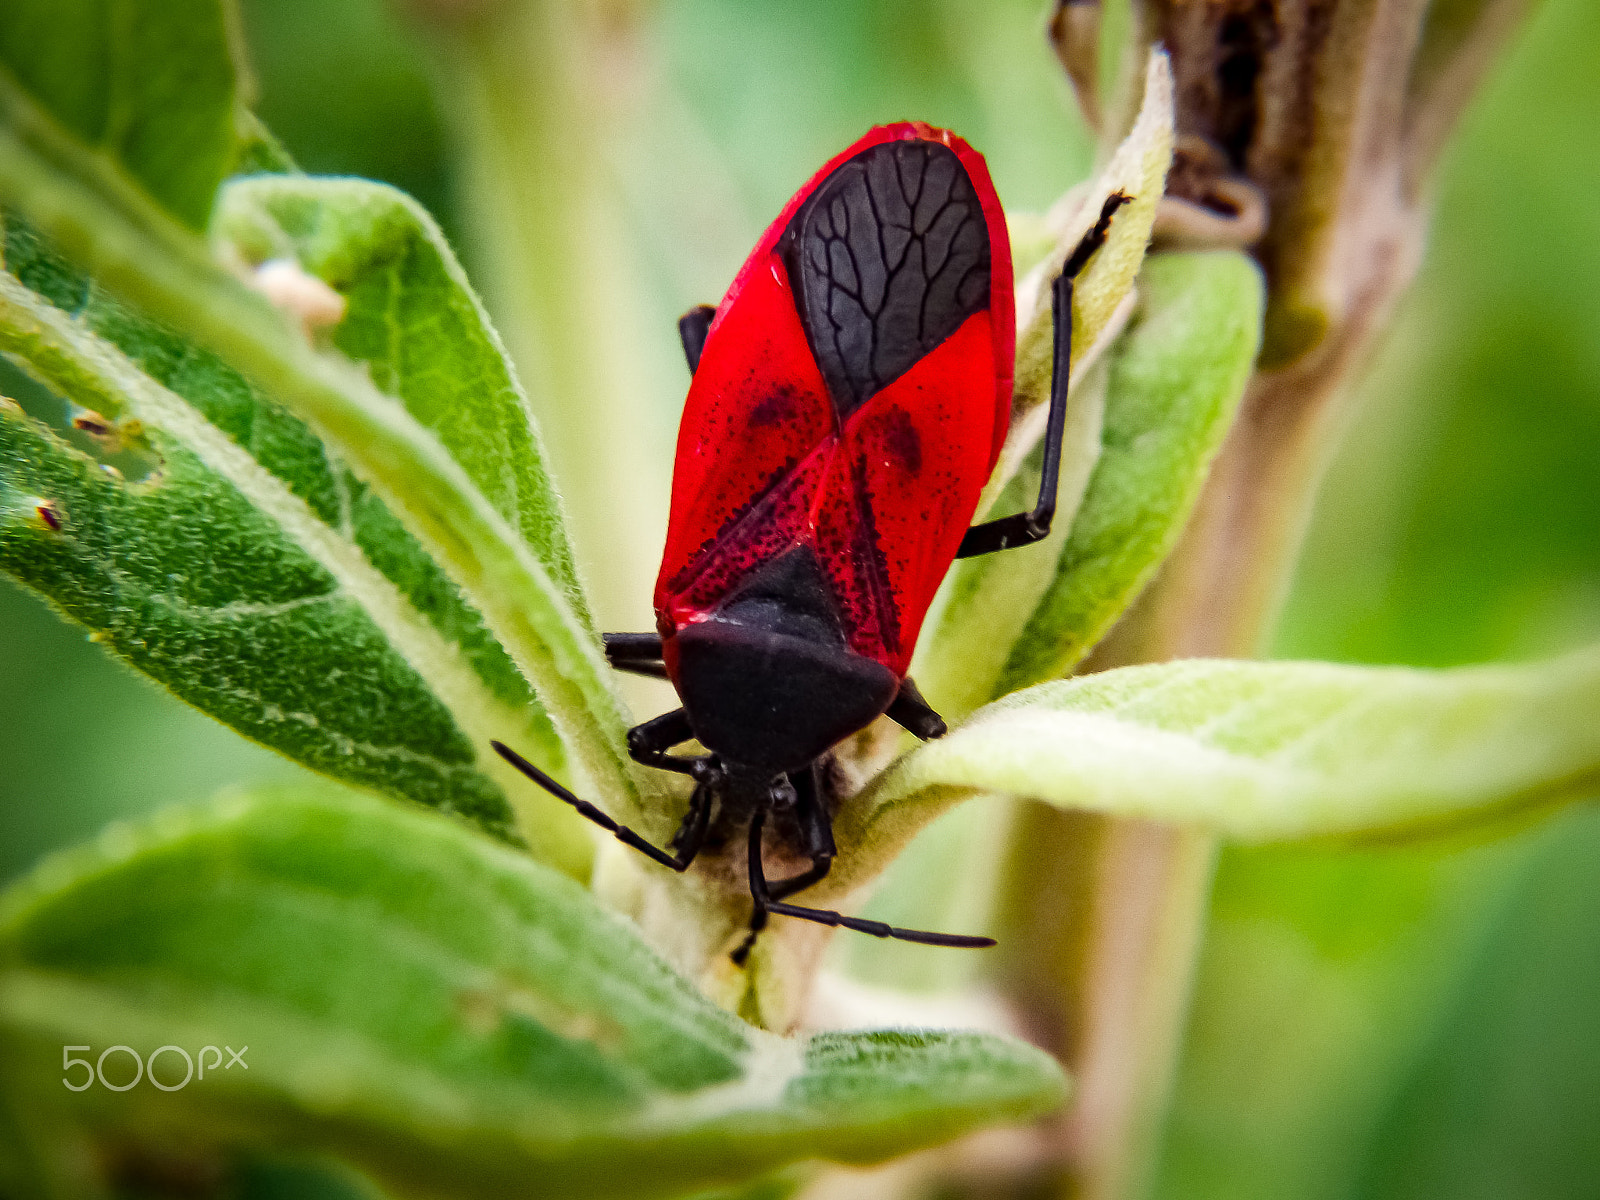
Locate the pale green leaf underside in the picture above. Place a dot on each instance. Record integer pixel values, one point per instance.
(1157, 409)
(1261, 752)
(443, 1013)
(1176, 378)
(1138, 169)
(986, 602)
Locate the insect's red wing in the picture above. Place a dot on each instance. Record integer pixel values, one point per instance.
(901, 491)
(756, 429)
(854, 390)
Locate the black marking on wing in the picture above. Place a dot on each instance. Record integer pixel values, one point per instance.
(886, 258)
(871, 561)
(771, 489)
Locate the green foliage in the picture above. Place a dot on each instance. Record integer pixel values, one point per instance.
(259, 577)
(109, 359)
(151, 90)
(1174, 388)
(1174, 383)
(988, 599)
(233, 614)
(412, 318)
(1269, 751)
(367, 674)
(445, 1013)
(346, 547)
(100, 217)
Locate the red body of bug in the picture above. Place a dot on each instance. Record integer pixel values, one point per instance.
(850, 397)
(881, 495)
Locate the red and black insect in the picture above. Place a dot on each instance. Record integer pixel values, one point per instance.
(850, 396)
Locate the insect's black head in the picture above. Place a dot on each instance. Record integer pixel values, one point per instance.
(771, 701)
(768, 681)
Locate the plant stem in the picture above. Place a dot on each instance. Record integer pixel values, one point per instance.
(1351, 105)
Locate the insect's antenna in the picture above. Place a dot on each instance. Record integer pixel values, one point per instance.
(760, 892)
(824, 916)
(622, 833)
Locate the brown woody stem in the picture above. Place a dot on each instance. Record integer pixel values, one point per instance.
(1332, 111)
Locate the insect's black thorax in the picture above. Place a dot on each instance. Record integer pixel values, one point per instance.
(768, 680)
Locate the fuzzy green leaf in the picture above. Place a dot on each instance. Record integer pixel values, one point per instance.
(1138, 170)
(447, 1015)
(102, 219)
(987, 601)
(1261, 752)
(251, 573)
(150, 86)
(1176, 380)
(413, 319)
(184, 579)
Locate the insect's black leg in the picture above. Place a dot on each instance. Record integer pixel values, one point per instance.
(688, 840)
(816, 833)
(765, 904)
(1021, 529)
(816, 837)
(758, 890)
(639, 653)
(692, 329)
(910, 711)
(648, 745)
(691, 832)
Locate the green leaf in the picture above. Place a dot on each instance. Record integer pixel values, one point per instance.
(150, 88)
(1138, 170)
(413, 319)
(1262, 752)
(986, 602)
(186, 581)
(101, 219)
(445, 1014)
(1175, 380)
(251, 574)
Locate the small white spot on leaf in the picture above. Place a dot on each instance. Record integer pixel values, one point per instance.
(290, 288)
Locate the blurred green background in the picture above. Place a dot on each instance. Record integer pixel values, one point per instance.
(1395, 1021)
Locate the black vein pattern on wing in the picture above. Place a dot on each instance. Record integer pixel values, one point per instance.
(887, 258)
